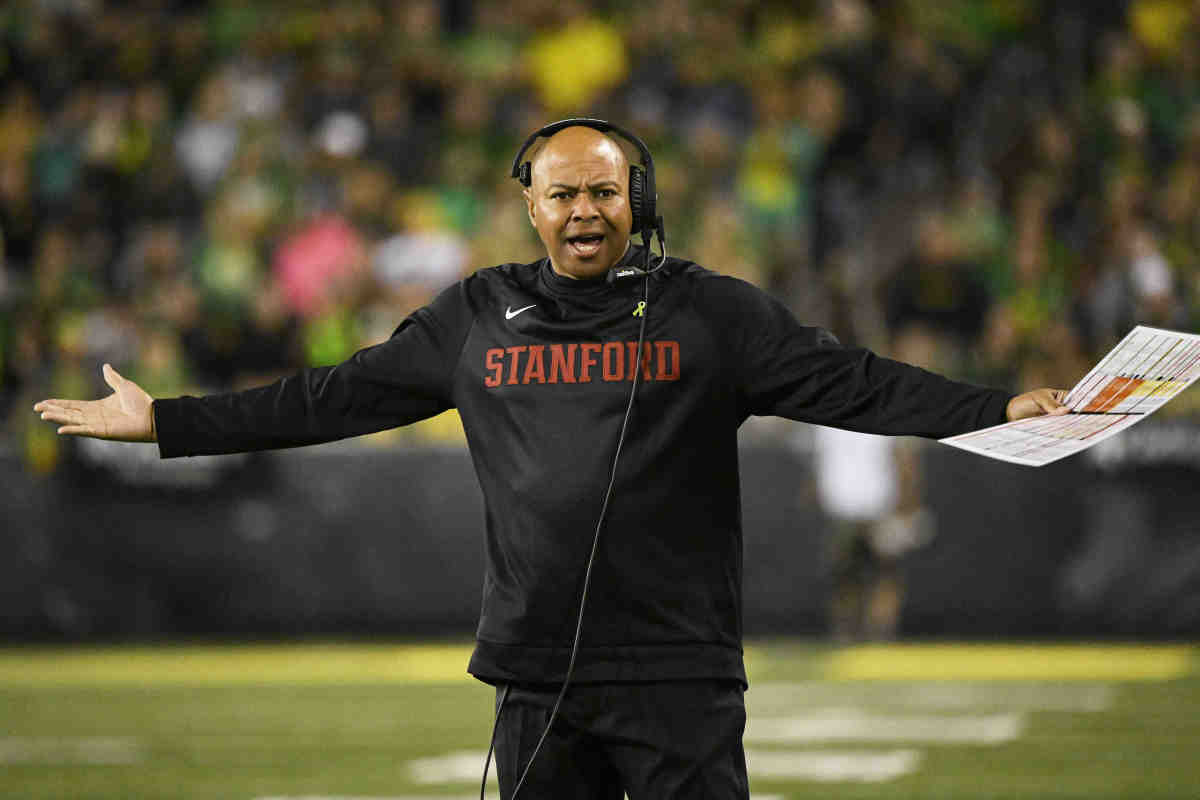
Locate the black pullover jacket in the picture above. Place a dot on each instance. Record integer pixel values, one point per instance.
(539, 367)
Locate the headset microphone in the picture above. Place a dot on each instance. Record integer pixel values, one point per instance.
(625, 273)
(617, 274)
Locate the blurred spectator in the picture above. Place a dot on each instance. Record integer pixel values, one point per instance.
(939, 287)
(318, 264)
(872, 490)
(208, 139)
(413, 266)
(570, 66)
(869, 486)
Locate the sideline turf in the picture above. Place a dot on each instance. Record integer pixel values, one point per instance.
(246, 721)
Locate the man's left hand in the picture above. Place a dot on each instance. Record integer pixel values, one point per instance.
(1037, 403)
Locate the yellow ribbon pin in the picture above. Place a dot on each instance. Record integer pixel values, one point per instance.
(640, 311)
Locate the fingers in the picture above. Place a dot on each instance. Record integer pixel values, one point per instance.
(75, 430)
(1060, 397)
(71, 419)
(1047, 400)
(71, 416)
(60, 414)
(57, 406)
(1050, 401)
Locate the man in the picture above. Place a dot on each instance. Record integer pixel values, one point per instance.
(539, 360)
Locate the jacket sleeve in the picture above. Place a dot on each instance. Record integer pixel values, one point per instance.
(803, 373)
(397, 382)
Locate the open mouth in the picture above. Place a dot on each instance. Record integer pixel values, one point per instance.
(585, 245)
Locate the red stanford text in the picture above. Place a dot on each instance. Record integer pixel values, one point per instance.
(580, 362)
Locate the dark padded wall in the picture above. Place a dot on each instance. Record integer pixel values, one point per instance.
(343, 539)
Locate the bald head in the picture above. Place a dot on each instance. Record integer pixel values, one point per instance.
(578, 199)
(579, 145)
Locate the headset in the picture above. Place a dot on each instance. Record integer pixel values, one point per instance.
(642, 201)
(643, 195)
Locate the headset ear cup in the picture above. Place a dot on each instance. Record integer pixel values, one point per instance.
(637, 196)
(526, 174)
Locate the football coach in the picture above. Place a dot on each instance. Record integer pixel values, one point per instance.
(601, 390)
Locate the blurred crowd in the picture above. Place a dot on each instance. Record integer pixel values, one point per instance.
(210, 195)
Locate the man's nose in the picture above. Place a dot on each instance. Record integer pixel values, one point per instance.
(584, 208)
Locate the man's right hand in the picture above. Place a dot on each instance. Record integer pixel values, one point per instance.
(124, 416)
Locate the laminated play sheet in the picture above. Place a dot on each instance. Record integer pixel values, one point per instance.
(1137, 377)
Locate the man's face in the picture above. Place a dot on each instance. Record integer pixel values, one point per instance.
(579, 202)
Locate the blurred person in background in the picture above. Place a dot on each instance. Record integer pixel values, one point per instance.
(872, 489)
(938, 287)
(869, 487)
(543, 360)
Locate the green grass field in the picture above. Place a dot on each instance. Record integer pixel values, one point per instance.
(403, 721)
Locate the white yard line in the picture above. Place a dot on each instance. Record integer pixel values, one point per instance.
(1015, 697)
(64, 750)
(857, 725)
(832, 766)
(817, 765)
(457, 767)
(774, 697)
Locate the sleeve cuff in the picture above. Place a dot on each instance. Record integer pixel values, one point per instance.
(1003, 398)
(165, 413)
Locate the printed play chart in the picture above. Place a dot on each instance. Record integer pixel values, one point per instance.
(1136, 378)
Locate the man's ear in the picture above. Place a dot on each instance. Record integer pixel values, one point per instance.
(529, 206)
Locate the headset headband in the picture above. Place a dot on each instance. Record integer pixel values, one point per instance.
(521, 175)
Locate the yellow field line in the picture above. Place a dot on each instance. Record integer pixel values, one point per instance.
(356, 663)
(1048, 662)
(201, 665)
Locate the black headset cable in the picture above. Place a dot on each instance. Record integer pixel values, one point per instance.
(637, 373)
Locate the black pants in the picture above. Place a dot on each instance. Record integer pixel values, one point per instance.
(666, 740)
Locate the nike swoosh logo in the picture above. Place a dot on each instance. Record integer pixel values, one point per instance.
(509, 313)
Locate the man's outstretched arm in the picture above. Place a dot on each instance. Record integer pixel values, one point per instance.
(124, 416)
(403, 379)
(802, 373)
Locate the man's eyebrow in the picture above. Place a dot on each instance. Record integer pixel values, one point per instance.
(595, 185)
